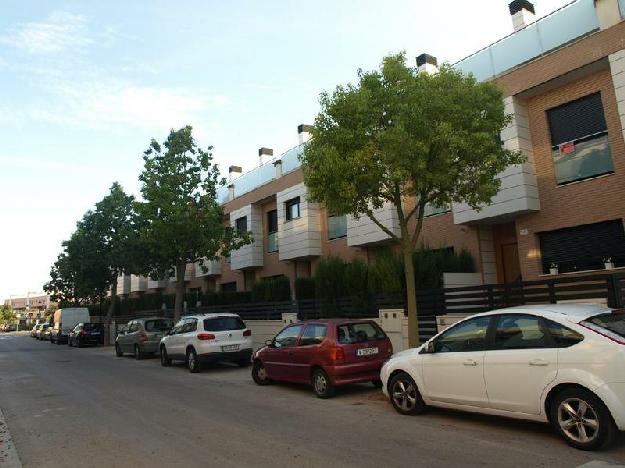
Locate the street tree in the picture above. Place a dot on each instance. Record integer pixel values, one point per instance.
(407, 140)
(7, 315)
(182, 221)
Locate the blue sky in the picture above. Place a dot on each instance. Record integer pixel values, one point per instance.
(85, 85)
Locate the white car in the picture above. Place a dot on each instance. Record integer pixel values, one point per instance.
(563, 364)
(207, 338)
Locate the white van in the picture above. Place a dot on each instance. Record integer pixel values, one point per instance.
(65, 320)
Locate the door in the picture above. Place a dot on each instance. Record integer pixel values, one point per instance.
(510, 263)
(173, 344)
(278, 358)
(523, 361)
(454, 372)
(308, 351)
(130, 338)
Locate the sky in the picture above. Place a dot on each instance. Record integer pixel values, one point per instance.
(85, 85)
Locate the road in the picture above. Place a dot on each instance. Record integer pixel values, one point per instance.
(85, 407)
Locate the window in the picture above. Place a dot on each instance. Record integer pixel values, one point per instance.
(313, 334)
(292, 209)
(520, 332)
(464, 337)
(218, 324)
(563, 337)
(359, 333)
(190, 325)
(178, 327)
(241, 224)
(337, 226)
(229, 287)
(611, 325)
(134, 326)
(287, 337)
(583, 247)
(579, 140)
(158, 325)
(272, 231)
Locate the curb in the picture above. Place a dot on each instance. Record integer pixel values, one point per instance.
(8, 453)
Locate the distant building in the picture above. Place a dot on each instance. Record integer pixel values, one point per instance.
(29, 307)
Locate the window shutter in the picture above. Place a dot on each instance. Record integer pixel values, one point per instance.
(576, 119)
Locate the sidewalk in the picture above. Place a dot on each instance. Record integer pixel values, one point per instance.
(8, 453)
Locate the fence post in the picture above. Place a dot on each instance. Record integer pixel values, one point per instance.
(491, 298)
(552, 292)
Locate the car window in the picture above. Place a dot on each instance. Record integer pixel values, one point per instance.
(611, 325)
(314, 333)
(190, 325)
(287, 337)
(218, 324)
(158, 325)
(133, 328)
(359, 333)
(467, 336)
(563, 336)
(520, 332)
(178, 327)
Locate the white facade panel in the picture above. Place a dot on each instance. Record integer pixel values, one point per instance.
(519, 188)
(189, 273)
(138, 283)
(123, 285)
(363, 231)
(213, 268)
(299, 237)
(251, 255)
(157, 284)
(617, 69)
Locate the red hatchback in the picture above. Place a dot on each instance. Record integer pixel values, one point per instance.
(324, 353)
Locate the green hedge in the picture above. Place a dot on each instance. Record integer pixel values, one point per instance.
(305, 288)
(276, 289)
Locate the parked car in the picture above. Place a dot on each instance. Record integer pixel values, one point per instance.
(562, 364)
(142, 336)
(33, 332)
(207, 338)
(65, 320)
(10, 327)
(325, 354)
(43, 333)
(86, 334)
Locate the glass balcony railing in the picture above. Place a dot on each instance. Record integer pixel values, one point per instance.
(570, 22)
(621, 4)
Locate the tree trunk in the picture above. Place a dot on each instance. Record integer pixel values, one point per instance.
(411, 295)
(179, 303)
(110, 312)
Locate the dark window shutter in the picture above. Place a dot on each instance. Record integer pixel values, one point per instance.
(272, 221)
(576, 119)
(583, 247)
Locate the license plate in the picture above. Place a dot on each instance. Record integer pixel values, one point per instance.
(367, 351)
(230, 347)
(95, 333)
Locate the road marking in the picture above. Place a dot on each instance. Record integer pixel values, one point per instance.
(599, 464)
(8, 453)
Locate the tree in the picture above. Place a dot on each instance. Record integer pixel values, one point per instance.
(407, 139)
(7, 315)
(182, 222)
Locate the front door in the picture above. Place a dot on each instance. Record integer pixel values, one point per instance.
(522, 363)
(454, 372)
(510, 262)
(278, 359)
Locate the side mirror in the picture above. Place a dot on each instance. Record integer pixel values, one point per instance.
(428, 348)
(269, 343)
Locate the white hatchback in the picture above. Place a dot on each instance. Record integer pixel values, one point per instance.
(563, 364)
(207, 338)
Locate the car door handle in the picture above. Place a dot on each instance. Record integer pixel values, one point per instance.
(538, 362)
(469, 362)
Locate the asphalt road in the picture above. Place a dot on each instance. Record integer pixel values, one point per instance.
(85, 407)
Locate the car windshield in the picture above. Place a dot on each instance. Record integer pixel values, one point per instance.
(158, 325)
(223, 324)
(45, 326)
(359, 333)
(613, 323)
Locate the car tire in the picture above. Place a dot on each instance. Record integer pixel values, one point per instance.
(582, 419)
(377, 383)
(193, 364)
(118, 350)
(259, 374)
(137, 353)
(165, 360)
(321, 384)
(404, 395)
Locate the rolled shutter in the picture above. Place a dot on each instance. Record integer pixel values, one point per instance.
(576, 119)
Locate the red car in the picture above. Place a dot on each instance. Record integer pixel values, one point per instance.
(325, 354)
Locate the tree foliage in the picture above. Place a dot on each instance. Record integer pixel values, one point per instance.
(7, 315)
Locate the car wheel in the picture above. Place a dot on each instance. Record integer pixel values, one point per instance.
(377, 383)
(259, 374)
(118, 350)
(404, 395)
(165, 360)
(582, 419)
(321, 384)
(192, 361)
(138, 354)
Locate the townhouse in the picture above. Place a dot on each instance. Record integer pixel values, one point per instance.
(30, 306)
(561, 212)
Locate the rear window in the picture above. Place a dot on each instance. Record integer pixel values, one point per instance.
(218, 324)
(158, 325)
(359, 333)
(608, 324)
(92, 326)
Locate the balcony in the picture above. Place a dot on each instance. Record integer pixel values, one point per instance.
(123, 285)
(251, 255)
(363, 231)
(213, 269)
(299, 224)
(189, 273)
(160, 284)
(138, 283)
(570, 22)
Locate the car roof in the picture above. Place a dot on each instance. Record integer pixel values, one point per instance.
(571, 312)
(211, 315)
(143, 319)
(337, 321)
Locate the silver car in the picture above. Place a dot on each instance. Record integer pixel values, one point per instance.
(142, 336)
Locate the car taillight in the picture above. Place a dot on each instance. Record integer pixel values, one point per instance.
(205, 336)
(82, 333)
(247, 333)
(603, 332)
(143, 337)
(337, 354)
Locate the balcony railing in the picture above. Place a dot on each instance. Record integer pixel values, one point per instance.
(570, 22)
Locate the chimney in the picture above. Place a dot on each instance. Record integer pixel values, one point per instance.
(522, 12)
(278, 165)
(427, 64)
(234, 172)
(303, 132)
(264, 155)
